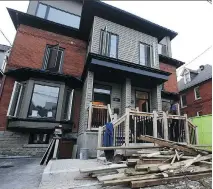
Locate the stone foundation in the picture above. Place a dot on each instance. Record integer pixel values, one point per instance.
(16, 144)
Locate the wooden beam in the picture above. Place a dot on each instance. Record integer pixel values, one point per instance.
(169, 144)
(103, 168)
(155, 123)
(127, 147)
(163, 181)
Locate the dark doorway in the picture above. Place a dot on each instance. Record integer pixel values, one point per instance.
(142, 101)
(102, 94)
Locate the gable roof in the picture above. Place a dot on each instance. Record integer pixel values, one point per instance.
(201, 76)
(190, 70)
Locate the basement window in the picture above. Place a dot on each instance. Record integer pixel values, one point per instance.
(53, 58)
(39, 138)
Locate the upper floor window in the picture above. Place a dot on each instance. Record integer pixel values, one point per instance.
(109, 44)
(44, 102)
(162, 49)
(145, 54)
(56, 15)
(53, 58)
(183, 101)
(3, 60)
(197, 93)
(187, 77)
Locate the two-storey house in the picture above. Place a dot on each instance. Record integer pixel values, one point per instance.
(196, 91)
(69, 56)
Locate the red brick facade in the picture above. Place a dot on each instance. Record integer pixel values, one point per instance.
(204, 104)
(29, 47)
(28, 51)
(171, 84)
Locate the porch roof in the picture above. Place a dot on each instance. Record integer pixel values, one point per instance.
(22, 74)
(115, 70)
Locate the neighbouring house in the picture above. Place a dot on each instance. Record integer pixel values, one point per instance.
(4, 53)
(195, 89)
(70, 56)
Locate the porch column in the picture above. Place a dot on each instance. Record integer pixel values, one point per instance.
(156, 102)
(126, 95)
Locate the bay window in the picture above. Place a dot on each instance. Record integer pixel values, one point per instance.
(44, 102)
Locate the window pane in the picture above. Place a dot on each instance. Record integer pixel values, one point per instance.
(184, 103)
(197, 93)
(41, 11)
(113, 46)
(51, 62)
(63, 18)
(145, 52)
(44, 102)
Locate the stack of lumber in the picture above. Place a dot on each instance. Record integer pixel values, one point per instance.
(173, 163)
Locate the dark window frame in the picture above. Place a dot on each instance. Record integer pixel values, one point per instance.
(48, 9)
(31, 137)
(151, 54)
(183, 105)
(107, 86)
(107, 53)
(136, 90)
(32, 92)
(46, 57)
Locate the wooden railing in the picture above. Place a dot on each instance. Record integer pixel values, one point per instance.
(158, 124)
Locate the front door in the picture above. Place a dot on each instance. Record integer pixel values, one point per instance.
(142, 101)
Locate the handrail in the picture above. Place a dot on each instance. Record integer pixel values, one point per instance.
(120, 120)
(191, 124)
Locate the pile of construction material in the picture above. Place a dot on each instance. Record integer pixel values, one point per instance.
(173, 162)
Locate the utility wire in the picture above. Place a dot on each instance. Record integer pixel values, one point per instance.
(195, 58)
(6, 37)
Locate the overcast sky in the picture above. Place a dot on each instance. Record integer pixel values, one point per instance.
(191, 19)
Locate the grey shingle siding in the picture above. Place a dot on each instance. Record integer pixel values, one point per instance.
(126, 95)
(156, 103)
(129, 39)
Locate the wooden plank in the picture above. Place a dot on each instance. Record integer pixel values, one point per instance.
(111, 177)
(169, 144)
(153, 154)
(145, 167)
(127, 147)
(133, 172)
(103, 168)
(183, 163)
(163, 181)
(191, 161)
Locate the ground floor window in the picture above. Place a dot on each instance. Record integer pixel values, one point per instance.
(44, 102)
(101, 94)
(39, 138)
(142, 101)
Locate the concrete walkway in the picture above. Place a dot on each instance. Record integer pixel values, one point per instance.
(62, 174)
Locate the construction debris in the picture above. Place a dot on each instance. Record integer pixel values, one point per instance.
(173, 163)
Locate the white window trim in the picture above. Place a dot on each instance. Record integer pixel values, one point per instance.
(195, 93)
(181, 102)
(198, 113)
(4, 64)
(187, 72)
(11, 99)
(70, 105)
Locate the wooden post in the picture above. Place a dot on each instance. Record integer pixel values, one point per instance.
(196, 136)
(186, 129)
(127, 128)
(90, 117)
(155, 128)
(135, 122)
(165, 126)
(110, 112)
(100, 130)
(115, 117)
